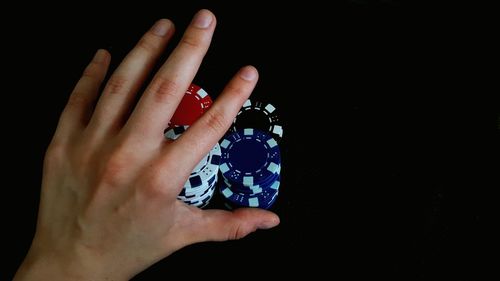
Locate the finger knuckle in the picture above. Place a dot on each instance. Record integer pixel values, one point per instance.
(148, 44)
(192, 42)
(77, 99)
(116, 84)
(156, 188)
(155, 182)
(164, 89)
(114, 170)
(236, 232)
(216, 120)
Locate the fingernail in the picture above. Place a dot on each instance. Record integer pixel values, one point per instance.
(161, 27)
(100, 55)
(267, 224)
(202, 19)
(248, 73)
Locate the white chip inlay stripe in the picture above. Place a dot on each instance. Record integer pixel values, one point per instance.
(202, 93)
(272, 143)
(248, 181)
(253, 202)
(224, 168)
(275, 185)
(273, 167)
(225, 143)
(278, 130)
(227, 192)
(270, 108)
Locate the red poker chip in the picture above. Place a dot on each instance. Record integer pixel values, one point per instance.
(194, 103)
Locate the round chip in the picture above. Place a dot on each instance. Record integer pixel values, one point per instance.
(249, 157)
(263, 200)
(200, 190)
(206, 168)
(201, 198)
(254, 190)
(194, 103)
(261, 185)
(175, 132)
(258, 115)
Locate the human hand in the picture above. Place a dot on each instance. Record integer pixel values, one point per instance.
(108, 206)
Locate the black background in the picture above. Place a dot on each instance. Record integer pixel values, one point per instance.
(378, 176)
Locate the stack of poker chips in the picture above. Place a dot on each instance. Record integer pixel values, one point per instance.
(249, 159)
(250, 166)
(261, 116)
(199, 188)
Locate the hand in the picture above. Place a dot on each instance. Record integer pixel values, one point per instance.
(108, 206)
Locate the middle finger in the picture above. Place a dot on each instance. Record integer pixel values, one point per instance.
(164, 93)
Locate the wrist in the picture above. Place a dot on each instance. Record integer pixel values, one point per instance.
(53, 266)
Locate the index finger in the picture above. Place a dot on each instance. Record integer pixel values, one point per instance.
(200, 138)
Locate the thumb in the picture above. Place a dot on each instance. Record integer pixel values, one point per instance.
(220, 225)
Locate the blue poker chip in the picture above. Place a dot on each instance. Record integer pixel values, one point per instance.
(254, 190)
(243, 190)
(232, 206)
(273, 200)
(249, 157)
(262, 200)
(250, 167)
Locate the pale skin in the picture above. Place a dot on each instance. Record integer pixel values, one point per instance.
(108, 208)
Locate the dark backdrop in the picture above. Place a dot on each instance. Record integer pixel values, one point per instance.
(376, 176)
